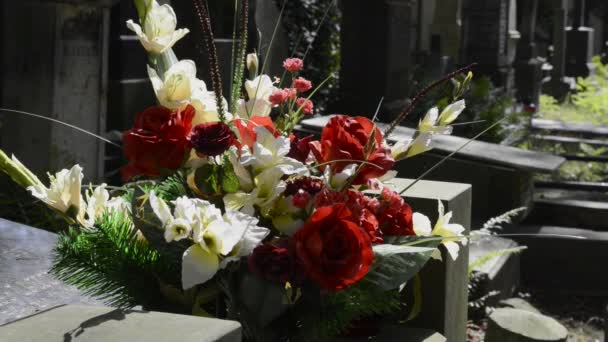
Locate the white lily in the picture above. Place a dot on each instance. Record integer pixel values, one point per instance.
(159, 32)
(284, 218)
(245, 180)
(258, 90)
(97, 201)
(220, 241)
(267, 188)
(179, 225)
(64, 193)
(269, 153)
(443, 227)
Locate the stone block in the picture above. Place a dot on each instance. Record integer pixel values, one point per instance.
(503, 271)
(557, 261)
(518, 303)
(445, 295)
(97, 324)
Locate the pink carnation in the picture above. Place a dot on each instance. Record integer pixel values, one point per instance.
(306, 105)
(302, 84)
(293, 64)
(278, 96)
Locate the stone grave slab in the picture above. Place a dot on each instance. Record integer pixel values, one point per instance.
(25, 285)
(96, 324)
(502, 271)
(583, 129)
(445, 284)
(565, 265)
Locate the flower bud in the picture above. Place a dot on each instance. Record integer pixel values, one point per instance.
(252, 65)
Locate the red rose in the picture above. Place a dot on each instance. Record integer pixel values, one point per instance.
(272, 262)
(394, 215)
(299, 148)
(347, 137)
(331, 249)
(246, 128)
(362, 208)
(158, 140)
(211, 139)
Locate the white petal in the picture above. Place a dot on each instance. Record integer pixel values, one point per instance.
(160, 208)
(177, 229)
(454, 228)
(422, 224)
(453, 249)
(421, 144)
(226, 235)
(198, 266)
(451, 112)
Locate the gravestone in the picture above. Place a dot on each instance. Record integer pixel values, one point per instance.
(444, 283)
(580, 39)
(100, 324)
(557, 86)
(490, 39)
(56, 66)
(447, 27)
(376, 56)
(25, 285)
(528, 67)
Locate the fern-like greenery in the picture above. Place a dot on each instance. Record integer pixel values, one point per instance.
(112, 263)
(484, 259)
(494, 224)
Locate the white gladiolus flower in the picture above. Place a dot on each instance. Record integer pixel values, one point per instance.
(180, 87)
(443, 227)
(258, 90)
(339, 179)
(159, 32)
(451, 112)
(63, 193)
(429, 124)
(270, 152)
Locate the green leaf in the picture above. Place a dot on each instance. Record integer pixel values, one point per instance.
(230, 182)
(207, 179)
(394, 265)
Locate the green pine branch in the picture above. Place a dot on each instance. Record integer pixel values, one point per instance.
(112, 263)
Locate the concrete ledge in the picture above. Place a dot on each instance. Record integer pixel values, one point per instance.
(100, 324)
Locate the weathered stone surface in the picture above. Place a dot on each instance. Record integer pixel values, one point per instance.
(445, 295)
(514, 325)
(97, 324)
(402, 334)
(502, 271)
(556, 260)
(570, 209)
(25, 285)
(518, 303)
(582, 129)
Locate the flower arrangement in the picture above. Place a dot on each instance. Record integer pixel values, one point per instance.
(226, 212)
